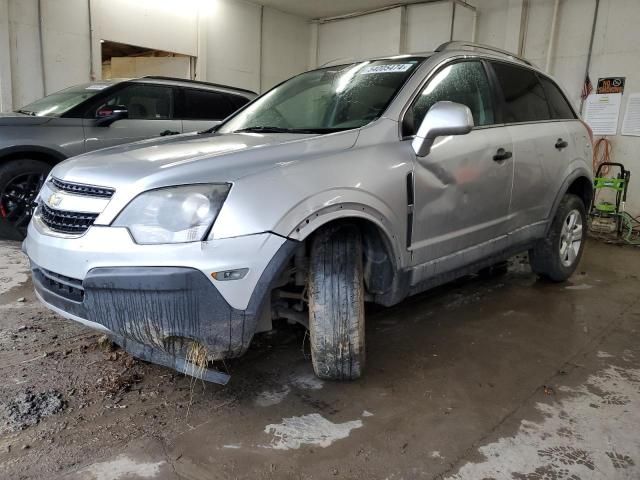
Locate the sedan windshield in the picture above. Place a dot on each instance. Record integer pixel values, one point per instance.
(326, 100)
(58, 103)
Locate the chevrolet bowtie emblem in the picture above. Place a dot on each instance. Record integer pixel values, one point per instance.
(54, 200)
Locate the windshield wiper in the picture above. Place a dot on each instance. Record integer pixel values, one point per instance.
(26, 112)
(210, 130)
(264, 129)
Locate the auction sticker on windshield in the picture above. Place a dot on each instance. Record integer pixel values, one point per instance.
(391, 68)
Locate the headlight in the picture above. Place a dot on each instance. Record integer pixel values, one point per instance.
(174, 214)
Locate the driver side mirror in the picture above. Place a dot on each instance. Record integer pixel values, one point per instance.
(442, 119)
(108, 114)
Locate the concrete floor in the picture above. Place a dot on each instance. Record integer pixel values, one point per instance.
(503, 378)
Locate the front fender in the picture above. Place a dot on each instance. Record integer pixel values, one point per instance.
(50, 152)
(314, 212)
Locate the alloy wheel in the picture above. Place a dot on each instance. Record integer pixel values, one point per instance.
(571, 238)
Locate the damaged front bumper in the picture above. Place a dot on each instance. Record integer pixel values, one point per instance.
(156, 301)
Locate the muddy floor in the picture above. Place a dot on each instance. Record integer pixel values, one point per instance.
(486, 378)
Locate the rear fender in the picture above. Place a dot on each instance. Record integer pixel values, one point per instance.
(575, 170)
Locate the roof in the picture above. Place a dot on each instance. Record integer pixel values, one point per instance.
(448, 47)
(183, 82)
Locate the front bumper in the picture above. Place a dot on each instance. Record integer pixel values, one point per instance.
(157, 300)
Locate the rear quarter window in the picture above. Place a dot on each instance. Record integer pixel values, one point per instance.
(207, 105)
(558, 104)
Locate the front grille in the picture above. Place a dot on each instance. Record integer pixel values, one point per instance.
(66, 287)
(79, 189)
(66, 222)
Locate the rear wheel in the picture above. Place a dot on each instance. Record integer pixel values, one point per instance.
(336, 304)
(557, 256)
(20, 182)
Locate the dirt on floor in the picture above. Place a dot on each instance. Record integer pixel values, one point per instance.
(450, 373)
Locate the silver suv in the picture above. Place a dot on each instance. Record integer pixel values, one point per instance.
(365, 182)
(92, 116)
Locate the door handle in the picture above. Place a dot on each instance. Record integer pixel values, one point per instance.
(501, 155)
(560, 144)
(168, 132)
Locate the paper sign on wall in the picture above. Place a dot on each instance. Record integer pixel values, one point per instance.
(602, 113)
(631, 122)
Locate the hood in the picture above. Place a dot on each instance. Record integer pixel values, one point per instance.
(195, 158)
(19, 119)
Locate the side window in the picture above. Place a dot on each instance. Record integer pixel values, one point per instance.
(206, 105)
(144, 102)
(523, 95)
(463, 82)
(558, 104)
(238, 101)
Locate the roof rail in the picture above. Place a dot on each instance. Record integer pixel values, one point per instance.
(175, 79)
(458, 45)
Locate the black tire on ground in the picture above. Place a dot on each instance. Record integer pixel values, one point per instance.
(14, 221)
(336, 304)
(545, 256)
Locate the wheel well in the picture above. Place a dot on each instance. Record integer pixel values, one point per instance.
(32, 155)
(583, 188)
(379, 262)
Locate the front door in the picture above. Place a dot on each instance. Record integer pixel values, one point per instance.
(462, 187)
(150, 114)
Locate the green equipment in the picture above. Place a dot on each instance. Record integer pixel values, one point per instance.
(608, 217)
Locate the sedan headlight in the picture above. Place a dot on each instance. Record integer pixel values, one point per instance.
(174, 214)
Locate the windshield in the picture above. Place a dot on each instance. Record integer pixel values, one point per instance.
(60, 102)
(326, 100)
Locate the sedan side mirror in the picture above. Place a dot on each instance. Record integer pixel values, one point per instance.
(443, 118)
(108, 114)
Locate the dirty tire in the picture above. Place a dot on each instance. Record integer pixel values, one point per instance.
(544, 257)
(16, 229)
(336, 304)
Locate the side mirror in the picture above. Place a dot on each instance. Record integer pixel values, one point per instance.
(443, 118)
(110, 113)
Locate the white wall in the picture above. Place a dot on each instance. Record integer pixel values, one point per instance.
(236, 42)
(26, 73)
(616, 52)
(5, 60)
(65, 34)
(168, 25)
(233, 44)
(285, 46)
(428, 25)
(424, 26)
(360, 37)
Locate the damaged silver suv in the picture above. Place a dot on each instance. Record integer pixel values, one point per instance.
(364, 182)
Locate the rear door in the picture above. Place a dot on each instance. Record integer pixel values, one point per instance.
(540, 148)
(462, 187)
(203, 109)
(151, 114)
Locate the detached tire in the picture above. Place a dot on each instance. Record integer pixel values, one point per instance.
(557, 256)
(336, 304)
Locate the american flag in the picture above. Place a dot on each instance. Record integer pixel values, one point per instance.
(587, 88)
